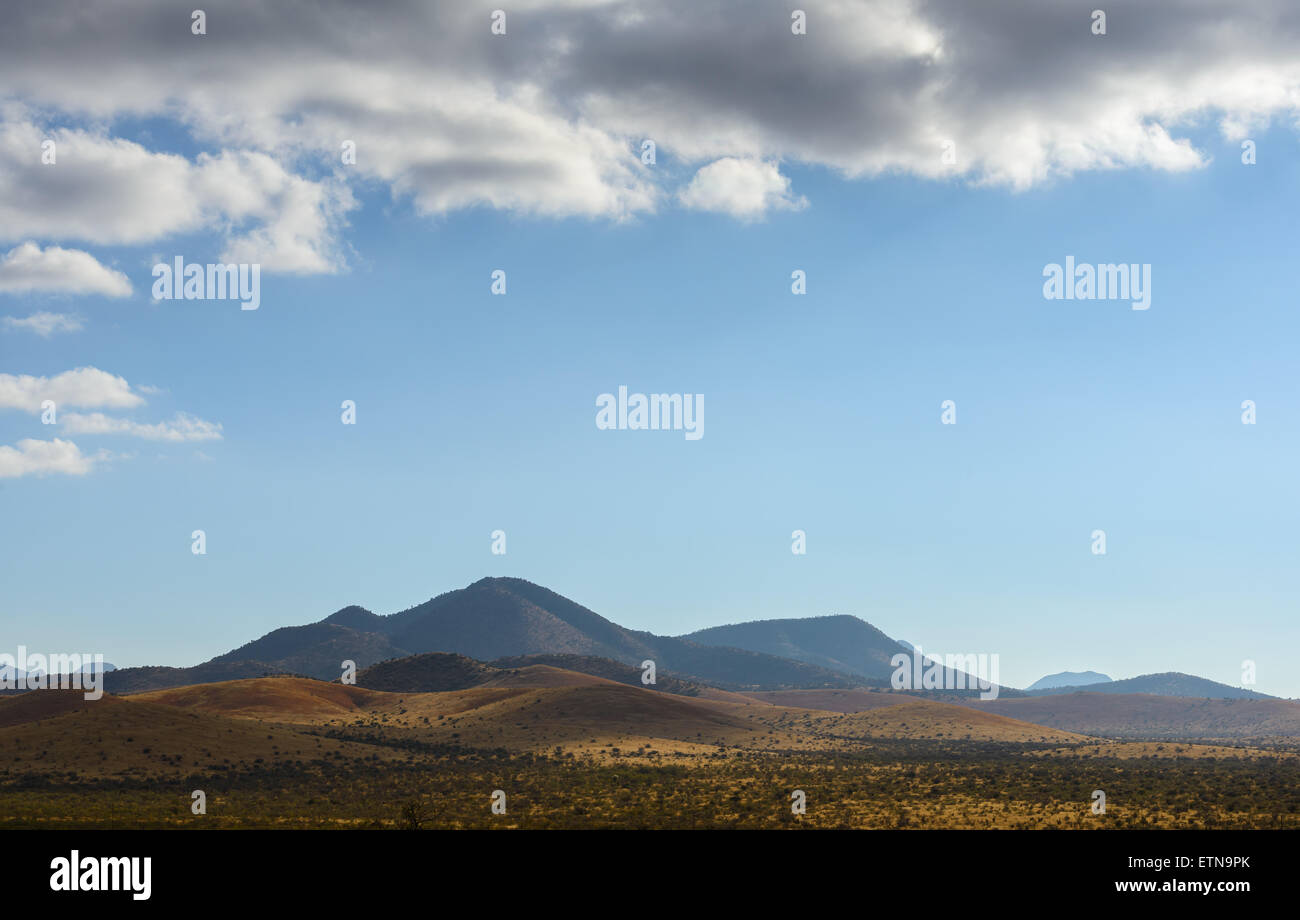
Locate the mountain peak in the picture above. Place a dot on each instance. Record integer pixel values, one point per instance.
(1069, 679)
(354, 617)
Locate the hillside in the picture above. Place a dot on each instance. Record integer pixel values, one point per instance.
(153, 677)
(608, 669)
(317, 649)
(427, 673)
(537, 708)
(837, 643)
(54, 731)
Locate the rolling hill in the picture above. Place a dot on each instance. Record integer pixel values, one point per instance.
(538, 707)
(57, 731)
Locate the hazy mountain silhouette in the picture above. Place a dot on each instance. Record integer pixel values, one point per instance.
(1148, 715)
(838, 643)
(509, 619)
(1068, 679)
(490, 619)
(1170, 683)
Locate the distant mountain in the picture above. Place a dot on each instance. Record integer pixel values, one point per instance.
(11, 673)
(1146, 715)
(837, 643)
(490, 619)
(511, 620)
(1068, 679)
(1171, 683)
(842, 643)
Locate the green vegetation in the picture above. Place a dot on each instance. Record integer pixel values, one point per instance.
(894, 784)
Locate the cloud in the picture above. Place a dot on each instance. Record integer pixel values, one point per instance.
(546, 119)
(34, 457)
(84, 387)
(28, 268)
(182, 427)
(44, 324)
(112, 191)
(741, 188)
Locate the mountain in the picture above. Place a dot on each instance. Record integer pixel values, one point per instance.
(844, 644)
(13, 674)
(1068, 679)
(1170, 683)
(1145, 715)
(317, 650)
(511, 620)
(837, 643)
(492, 618)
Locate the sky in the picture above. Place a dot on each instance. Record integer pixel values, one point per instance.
(921, 163)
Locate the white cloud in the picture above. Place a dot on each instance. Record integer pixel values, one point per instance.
(84, 387)
(112, 191)
(44, 324)
(28, 268)
(34, 457)
(546, 120)
(182, 427)
(741, 188)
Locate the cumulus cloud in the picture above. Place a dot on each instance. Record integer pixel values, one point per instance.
(113, 191)
(29, 268)
(84, 387)
(546, 119)
(182, 427)
(741, 188)
(32, 457)
(43, 323)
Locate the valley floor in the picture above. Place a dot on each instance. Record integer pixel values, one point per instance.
(296, 753)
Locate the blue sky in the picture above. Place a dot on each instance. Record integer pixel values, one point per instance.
(822, 413)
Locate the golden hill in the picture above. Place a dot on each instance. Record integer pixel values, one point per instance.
(275, 699)
(831, 700)
(125, 737)
(540, 708)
